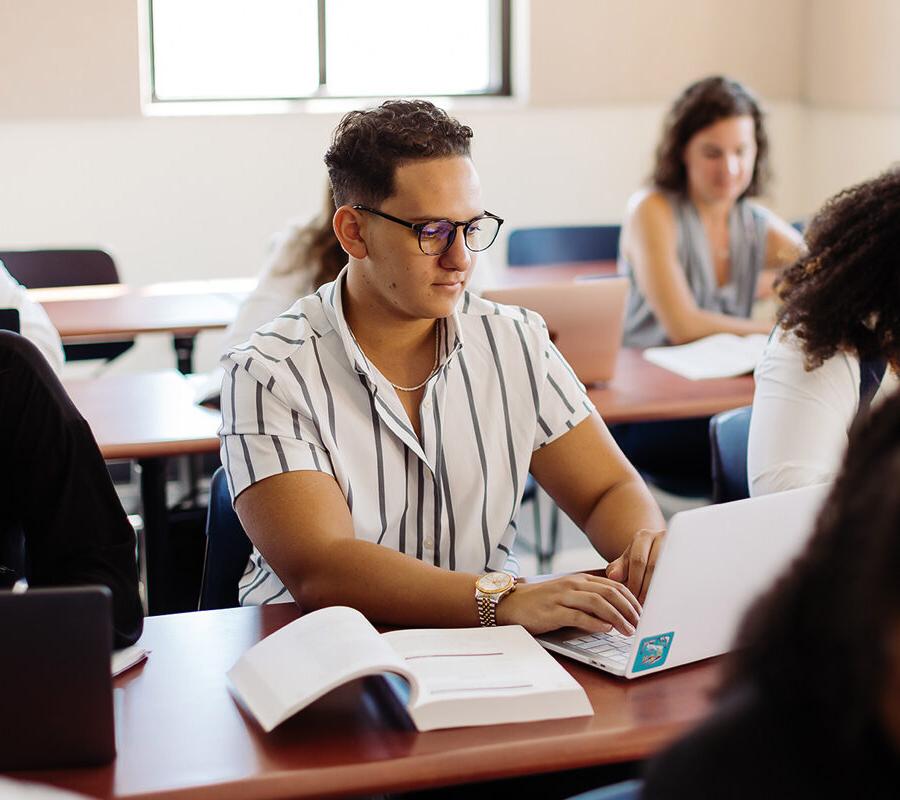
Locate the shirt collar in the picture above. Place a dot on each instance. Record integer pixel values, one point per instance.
(449, 331)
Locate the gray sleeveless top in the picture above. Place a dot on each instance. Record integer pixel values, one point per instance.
(747, 245)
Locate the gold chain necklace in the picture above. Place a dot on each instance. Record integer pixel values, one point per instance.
(430, 374)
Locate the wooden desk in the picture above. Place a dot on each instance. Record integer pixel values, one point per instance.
(641, 392)
(180, 732)
(553, 273)
(116, 311)
(148, 417)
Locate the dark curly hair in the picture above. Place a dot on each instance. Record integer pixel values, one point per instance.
(700, 105)
(816, 644)
(368, 146)
(844, 294)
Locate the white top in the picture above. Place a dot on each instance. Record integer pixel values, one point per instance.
(34, 323)
(301, 395)
(798, 433)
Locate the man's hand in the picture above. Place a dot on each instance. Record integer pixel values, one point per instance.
(582, 601)
(635, 566)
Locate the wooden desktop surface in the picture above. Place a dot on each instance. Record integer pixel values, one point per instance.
(179, 731)
(184, 308)
(554, 273)
(105, 312)
(145, 415)
(642, 392)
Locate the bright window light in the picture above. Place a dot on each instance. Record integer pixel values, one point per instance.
(408, 47)
(234, 49)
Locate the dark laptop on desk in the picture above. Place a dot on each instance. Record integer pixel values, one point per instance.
(9, 320)
(56, 706)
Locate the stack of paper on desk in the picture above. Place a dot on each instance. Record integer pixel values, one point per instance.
(722, 355)
(457, 677)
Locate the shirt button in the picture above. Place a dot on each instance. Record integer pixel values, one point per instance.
(429, 542)
(426, 403)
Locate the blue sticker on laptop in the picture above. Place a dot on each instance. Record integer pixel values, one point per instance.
(652, 651)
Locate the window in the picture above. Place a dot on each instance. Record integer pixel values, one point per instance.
(206, 50)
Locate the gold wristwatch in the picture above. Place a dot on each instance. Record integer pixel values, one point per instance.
(490, 589)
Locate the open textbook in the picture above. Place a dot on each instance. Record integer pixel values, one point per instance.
(722, 355)
(456, 676)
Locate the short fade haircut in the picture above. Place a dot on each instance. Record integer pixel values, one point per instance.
(368, 146)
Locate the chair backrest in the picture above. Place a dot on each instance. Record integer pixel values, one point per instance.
(530, 246)
(227, 548)
(628, 790)
(38, 269)
(728, 434)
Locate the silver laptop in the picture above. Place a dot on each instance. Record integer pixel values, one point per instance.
(585, 320)
(715, 562)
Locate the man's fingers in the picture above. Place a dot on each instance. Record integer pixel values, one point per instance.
(606, 609)
(617, 569)
(573, 618)
(651, 566)
(623, 591)
(638, 556)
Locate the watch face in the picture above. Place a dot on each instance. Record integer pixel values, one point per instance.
(495, 582)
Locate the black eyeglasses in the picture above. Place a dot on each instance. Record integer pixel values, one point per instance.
(437, 237)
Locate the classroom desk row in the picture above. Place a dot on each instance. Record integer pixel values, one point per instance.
(181, 735)
(183, 309)
(150, 417)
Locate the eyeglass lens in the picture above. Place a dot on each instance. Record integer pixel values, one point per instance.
(437, 237)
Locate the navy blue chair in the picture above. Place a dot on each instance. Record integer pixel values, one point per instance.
(543, 551)
(39, 269)
(628, 790)
(227, 548)
(530, 246)
(728, 435)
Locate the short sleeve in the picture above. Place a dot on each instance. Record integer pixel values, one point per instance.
(563, 399)
(798, 431)
(262, 434)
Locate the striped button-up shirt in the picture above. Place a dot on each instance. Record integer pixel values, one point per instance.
(301, 395)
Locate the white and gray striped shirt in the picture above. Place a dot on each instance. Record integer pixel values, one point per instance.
(301, 395)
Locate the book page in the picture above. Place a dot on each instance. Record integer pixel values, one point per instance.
(482, 676)
(722, 355)
(307, 658)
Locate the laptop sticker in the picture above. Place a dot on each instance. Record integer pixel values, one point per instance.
(652, 651)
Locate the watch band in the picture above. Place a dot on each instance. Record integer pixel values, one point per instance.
(487, 611)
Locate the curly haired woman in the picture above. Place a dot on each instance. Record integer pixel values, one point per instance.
(837, 345)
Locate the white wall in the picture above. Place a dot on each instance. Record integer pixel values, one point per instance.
(182, 197)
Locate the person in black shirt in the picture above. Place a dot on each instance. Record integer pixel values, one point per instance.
(811, 704)
(56, 494)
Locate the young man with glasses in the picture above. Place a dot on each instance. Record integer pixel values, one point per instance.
(378, 434)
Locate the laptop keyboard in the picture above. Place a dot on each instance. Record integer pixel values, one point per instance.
(612, 646)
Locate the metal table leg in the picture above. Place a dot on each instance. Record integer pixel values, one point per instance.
(156, 532)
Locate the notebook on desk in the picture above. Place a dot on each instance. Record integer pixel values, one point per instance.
(715, 561)
(55, 678)
(585, 319)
